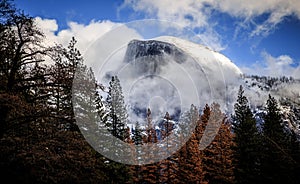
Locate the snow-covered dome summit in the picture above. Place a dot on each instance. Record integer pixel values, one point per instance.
(170, 74)
(208, 58)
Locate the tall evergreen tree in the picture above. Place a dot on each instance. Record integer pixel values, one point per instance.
(247, 141)
(218, 157)
(276, 160)
(137, 134)
(117, 118)
(116, 124)
(168, 167)
(190, 156)
(150, 130)
(149, 173)
(87, 101)
(136, 170)
(67, 61)
(273, 127)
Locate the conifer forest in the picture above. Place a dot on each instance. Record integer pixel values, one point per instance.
(41, 141)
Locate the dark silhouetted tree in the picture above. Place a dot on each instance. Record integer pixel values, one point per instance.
(22, 74)
(67, 60)
(276, 160)
(247, 149)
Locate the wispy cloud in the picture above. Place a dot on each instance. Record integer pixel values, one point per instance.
(189, 13)
(273, 66)
(197, 13)
(247, 11)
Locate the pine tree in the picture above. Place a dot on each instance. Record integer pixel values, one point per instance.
(276, 161)
(87, 103)
(273, 124)
(116, 124)
(218, 156)
(149, 173)
(117, 118)
(137, 134)
(168, 167)
(150, 130)
(246, 140)
(167, 126)
(190, 156)
(136, 170)
(67, 61)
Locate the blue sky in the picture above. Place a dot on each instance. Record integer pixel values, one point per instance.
(71, 10)
(259, 37)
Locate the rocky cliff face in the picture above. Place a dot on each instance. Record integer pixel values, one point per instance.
(150, 56)
(137, 49)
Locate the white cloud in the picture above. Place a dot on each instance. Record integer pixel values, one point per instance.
(196, 13)
(274, 66)
(188, 13)
(48, 25)
(248, 10)
(84, 34)
(212, 39)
